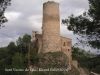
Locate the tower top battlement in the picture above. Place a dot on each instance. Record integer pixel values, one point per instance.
(51, 2)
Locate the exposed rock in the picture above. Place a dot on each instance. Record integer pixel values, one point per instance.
(54, 63)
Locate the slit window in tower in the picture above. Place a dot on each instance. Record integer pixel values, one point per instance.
(64, 44)
(68, 43)
(36, 40)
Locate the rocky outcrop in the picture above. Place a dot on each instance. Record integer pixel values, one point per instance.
(53, 63)
(92, 73)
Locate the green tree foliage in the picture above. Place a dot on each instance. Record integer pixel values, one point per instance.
(12, 47)
(87, 25)
(5, 60)
(86, 60)
(14, 56)
(17, 60)
(18, 64)
(21, 45)
(3, 55)
(96, 69)
(33, 53)
(27, 38)
(80, 54)
(3, 6)
(3, 52)
(20, 42)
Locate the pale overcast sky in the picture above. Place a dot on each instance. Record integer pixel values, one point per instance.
(26, 15)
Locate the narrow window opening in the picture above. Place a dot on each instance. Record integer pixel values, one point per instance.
(64, 44)
(68, 43)
(36, 40)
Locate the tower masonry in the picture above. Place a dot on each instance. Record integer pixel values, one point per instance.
(33, 35)
(51, 27)
(50, 39)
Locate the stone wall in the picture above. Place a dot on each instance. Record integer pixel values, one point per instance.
(39, 42)
(33, 35)
(66, 44)
(75, 63)
(51, 27)
(50, 39)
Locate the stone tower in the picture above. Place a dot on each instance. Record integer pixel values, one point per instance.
(51, 27)
(33, 35)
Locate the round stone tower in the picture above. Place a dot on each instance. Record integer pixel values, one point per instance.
(51, 27)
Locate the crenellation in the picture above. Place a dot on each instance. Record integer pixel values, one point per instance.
(51, 2)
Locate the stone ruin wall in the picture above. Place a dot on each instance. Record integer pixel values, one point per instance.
(75, 63)
(33, 35)
(66, 44)
(50, 39)
(39, 42)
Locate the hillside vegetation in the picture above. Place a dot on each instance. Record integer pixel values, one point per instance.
(86, 59)
(15, 57)
(56, 62)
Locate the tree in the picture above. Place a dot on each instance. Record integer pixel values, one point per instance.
(18, 63)
(80, 54)
(87, 25)
(20, 41)
(13, 56)
(12, 48)
(27, 38)
(3, 6)
(20, 45)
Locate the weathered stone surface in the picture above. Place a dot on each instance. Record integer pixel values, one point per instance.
(92, 73)
(75, 63)
(50, 39)
(51, 27)
(54, 63)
